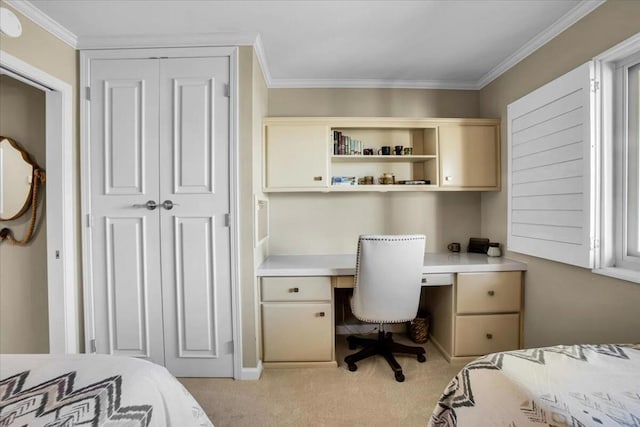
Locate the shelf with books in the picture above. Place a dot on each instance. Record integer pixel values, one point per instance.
(356, 141)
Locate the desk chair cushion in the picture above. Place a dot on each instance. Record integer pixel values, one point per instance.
(388, 278)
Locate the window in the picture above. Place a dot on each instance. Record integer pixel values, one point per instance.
(619, 121)
(574, 166)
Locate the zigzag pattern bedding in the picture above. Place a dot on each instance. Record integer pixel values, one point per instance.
(579, 385)
(92, 390)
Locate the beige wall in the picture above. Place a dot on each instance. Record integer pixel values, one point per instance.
(564, 304)
(40, 49)
(24, 323)
(317, 223)
(252, 107)
(373, 103)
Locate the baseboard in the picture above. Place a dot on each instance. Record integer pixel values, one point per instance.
(251, 373)
(366, 328)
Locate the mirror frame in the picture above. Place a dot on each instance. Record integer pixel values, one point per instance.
(34, 167)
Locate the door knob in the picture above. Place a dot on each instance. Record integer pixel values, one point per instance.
(151, 205)
(168, 204)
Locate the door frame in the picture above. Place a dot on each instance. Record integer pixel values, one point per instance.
(86, 56)
(64, 319)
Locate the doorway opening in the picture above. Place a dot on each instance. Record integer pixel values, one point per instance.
(61, 250)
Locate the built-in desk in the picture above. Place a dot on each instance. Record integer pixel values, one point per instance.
(476, 304)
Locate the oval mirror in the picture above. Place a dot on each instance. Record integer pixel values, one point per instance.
(16, 176)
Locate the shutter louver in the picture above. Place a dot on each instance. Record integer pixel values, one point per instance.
(551, 192)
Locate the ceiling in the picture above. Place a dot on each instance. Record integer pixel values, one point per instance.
(431, 44)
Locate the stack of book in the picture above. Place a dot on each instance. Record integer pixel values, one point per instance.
(345, 145)
(344, 180)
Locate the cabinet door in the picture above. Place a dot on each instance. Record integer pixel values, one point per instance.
(297, 156)
(297, 332)
(468, 156)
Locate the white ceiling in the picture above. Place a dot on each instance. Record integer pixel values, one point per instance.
(434, 44)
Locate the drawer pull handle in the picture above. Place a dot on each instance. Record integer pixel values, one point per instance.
(317, 178)
(491, 293)
(294, 290)
(321, 314)
(489, 336)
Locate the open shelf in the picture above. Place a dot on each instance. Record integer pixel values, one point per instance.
(383, 188)
(376, 158)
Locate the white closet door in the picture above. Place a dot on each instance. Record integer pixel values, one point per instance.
(194, 177)
(125, 239)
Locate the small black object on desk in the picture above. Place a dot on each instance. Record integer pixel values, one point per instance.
(478, 245)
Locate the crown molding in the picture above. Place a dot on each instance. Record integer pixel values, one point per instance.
(567, 20)
(262, 60)
(168, 40)
(29, 11)
(371, 83)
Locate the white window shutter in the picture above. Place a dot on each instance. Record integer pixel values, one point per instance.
(551, 181)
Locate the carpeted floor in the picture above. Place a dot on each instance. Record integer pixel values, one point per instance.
(329, 396)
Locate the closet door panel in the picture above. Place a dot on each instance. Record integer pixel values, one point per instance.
(127, 287)
(125, 242)
(124, 136)
(194, 160)
(196, 294)
(193, 135)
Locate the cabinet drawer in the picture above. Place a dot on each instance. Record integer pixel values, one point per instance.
(489, 292)
(297, 332)
(296, 289)
(482, 334)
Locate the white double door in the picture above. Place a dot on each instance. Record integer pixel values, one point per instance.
(160, 244)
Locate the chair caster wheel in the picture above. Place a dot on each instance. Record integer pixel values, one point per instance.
(422, 358)
(399, 376)
(353, 367)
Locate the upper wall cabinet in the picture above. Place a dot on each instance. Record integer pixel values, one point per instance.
(381, 154)
(469, 156)
(296, 155)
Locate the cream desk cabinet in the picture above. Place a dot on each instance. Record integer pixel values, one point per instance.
(449, 154)
(476, 303)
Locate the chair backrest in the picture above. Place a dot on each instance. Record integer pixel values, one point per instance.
(388, 278)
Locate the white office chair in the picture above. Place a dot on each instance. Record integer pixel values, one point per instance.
(387, 290)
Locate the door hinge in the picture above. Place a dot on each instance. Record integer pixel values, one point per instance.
(87, 93)
(92, 346)
(595, 243)
(227, 220)
(595, 85)
(89, 221)
(227, 90)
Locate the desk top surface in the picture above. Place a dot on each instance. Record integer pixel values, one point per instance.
(344, 265)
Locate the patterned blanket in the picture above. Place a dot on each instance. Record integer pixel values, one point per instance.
(579, 385)
(92, 390)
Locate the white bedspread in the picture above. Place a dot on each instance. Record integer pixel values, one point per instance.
(92, 390)
(579, 385)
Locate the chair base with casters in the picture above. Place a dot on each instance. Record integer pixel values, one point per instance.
(384, 346)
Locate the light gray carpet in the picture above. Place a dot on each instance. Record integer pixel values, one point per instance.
(329, 396)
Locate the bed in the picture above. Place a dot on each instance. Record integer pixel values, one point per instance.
(92, 390)
(578, 385)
